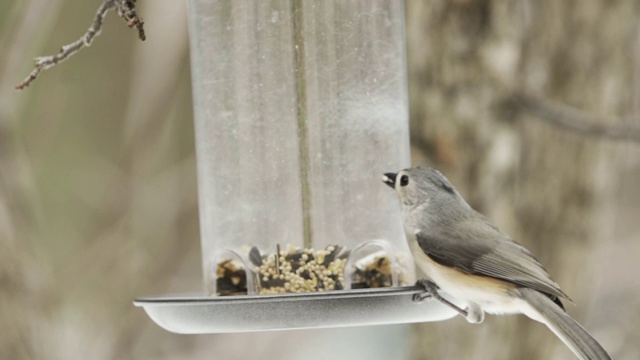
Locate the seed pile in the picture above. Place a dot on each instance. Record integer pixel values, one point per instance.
(231, 278)
(373, 274)
(297, 270)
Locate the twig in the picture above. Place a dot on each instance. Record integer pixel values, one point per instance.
(572, 119)
(125, 9)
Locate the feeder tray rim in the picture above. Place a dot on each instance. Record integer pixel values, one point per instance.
(191, 298)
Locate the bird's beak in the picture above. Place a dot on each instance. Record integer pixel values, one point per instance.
(390, 179)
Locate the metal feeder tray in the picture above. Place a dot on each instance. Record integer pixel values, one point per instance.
(198, 314)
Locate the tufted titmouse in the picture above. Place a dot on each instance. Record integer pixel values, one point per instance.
(470, 258)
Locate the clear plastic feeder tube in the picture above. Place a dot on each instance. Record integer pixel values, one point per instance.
(300, 107)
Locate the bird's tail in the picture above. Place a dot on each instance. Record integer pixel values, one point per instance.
(583, 345)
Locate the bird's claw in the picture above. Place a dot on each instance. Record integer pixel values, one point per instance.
(430, 289)
(431, 292)
(422, 297)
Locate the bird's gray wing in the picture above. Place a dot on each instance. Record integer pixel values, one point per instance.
(481, 249)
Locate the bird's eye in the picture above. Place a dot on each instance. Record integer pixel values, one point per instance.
(404, 180)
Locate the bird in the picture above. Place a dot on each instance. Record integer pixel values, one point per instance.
(468, 257)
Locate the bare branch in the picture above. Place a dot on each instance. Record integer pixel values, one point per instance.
(580, 122)
(126, 10)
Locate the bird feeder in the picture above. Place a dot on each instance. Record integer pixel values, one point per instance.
(300, 107)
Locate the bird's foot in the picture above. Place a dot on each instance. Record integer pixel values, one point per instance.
(473, 313)
(430, 291)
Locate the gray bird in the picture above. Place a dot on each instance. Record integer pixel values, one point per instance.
(468, 257)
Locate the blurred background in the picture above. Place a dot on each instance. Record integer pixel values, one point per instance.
(98, 200)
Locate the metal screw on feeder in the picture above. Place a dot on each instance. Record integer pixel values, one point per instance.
(299, 106)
